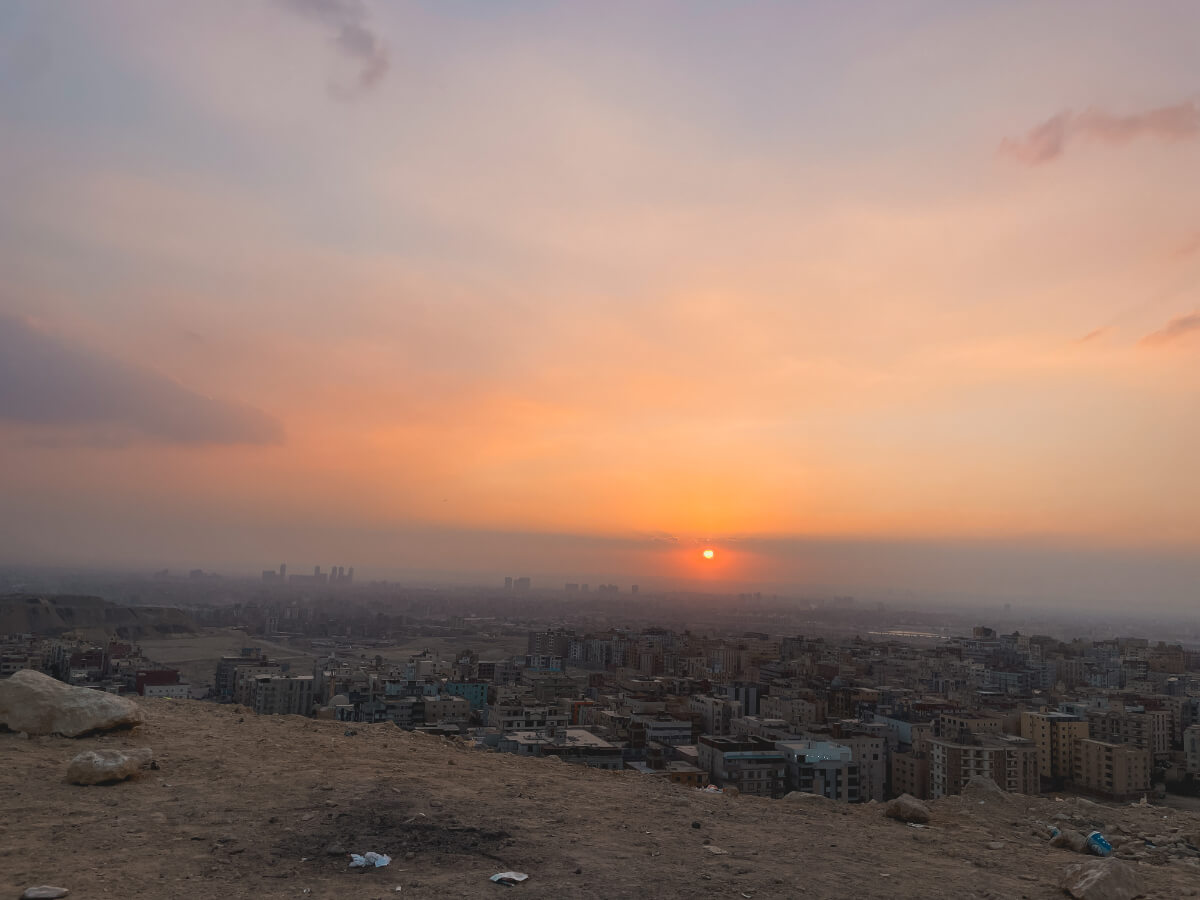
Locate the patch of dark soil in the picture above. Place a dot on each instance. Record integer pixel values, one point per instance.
(391, 827)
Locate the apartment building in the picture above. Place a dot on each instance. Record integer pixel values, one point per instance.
(910, 773)
(1054, 734)
(821, 767)
(716, 713)
(447, 709)
(282, 695)
(1010, 761)
(1115, 771)
(752, 765)
(1147, 729)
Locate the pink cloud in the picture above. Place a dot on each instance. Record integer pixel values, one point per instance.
(1174, 330)
(1047, 141)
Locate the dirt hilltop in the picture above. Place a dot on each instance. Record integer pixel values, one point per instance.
(270, 807)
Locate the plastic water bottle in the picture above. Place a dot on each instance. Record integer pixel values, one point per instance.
(1098, 844)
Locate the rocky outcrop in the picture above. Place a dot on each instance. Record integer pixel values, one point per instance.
(981, 789)
(907, 808)
(1101, 879)
(38, 704)
(58, 614)
(107, 766)
(805, 797)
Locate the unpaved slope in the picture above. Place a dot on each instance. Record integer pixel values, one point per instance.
(247, 806)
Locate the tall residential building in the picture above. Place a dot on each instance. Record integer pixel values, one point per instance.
(1115, 771)
(716, 713)
(1148, 729)
(752, 765)
(910, 773)
(1191, 748)
(281, 695)
(554, 642)
(1054, 734)
(1010, 761)
(822, 768)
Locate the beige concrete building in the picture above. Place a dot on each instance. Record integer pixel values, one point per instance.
(951, 725)
(1010, 761)
(1054, 734)
(1148, 729)
(445, 709)
(1115, 771)
(910, 774)
(282, 695)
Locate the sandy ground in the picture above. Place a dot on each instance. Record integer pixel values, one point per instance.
(267, 806)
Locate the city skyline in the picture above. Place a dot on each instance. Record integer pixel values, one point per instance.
(903, 297)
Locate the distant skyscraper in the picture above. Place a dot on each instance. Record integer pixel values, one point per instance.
(522, 584)
(633, 589)
(508, 583)
(282, 571)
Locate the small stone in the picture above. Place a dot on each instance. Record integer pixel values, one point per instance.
(695, 824)
(107, 766)
(335, 850)
(44, 892)
(996, 845)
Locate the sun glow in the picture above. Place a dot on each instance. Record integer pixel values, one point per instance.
(709, 554)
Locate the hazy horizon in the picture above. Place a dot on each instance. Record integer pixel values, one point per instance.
(903, 296)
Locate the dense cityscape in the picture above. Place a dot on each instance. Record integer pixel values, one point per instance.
(854, 717)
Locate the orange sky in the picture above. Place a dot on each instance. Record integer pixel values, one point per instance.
(684, 275)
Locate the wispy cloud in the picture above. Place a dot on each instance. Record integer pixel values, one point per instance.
(1187, 249)
(1174, 330)
(346, 21)
(1094, 334)
(47, 381)
(1047, 141)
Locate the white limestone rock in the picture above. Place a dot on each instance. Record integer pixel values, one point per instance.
(44, 892)
(107, 766)
(38, 704)
(1101, 879)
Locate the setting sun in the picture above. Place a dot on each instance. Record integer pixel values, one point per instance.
(709, 554)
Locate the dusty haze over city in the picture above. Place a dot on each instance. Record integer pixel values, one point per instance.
(885, 299)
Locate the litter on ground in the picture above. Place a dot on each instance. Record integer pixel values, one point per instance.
(508, 879)
(368, 859)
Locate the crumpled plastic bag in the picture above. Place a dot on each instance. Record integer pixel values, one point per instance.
(371, 858)
(509, 878)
